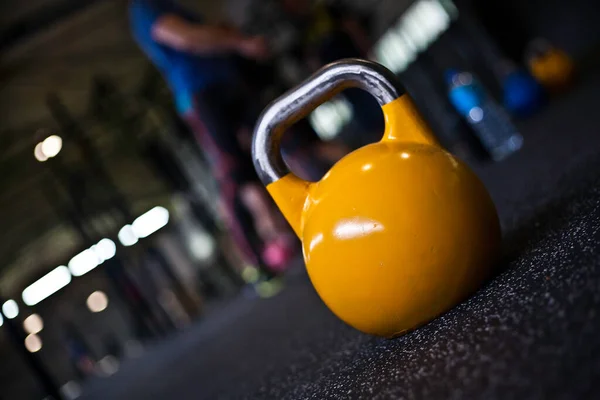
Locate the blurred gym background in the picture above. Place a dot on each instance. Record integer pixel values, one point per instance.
(111, 239)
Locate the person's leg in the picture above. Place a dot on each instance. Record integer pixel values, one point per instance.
(306, 154)
(223, 164)
(243, 200)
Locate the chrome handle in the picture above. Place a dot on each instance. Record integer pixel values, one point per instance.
(300, 101)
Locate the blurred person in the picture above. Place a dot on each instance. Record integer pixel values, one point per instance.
(327, 32)
(80, 353)
(198, 62)
(303, 151)
(121, 277)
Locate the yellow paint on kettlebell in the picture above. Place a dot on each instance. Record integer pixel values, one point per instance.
(397, 232)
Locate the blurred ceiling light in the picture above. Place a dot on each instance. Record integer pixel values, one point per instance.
(127, 236)
(415, 31)
(10, 309)
(97, 301)
(396, 51)
(38, 153)
(151, 221)
(52, 145)
(33, 324)
(1, 320)
(47, 285)
(105, 249)
(329, 118)
(90, 258)
(420, 25)
(434, 17)
(84, 262)
(33, 343)
(201, 245)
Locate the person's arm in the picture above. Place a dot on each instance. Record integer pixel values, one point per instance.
(174, 31)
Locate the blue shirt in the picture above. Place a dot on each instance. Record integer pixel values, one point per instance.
(186, 73)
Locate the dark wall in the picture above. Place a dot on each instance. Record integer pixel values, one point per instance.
(573, 25)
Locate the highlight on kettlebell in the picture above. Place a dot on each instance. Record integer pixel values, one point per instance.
(397, 232)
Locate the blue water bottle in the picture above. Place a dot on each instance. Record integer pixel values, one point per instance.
(489, 122)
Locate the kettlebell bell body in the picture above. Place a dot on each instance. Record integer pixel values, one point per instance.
(398, 231)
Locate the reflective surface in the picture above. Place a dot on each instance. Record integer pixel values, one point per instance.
(299, 102)
(396, 232)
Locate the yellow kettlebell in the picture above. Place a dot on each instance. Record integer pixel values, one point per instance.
(397, 232)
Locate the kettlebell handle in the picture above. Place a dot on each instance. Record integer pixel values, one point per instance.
(300, 101)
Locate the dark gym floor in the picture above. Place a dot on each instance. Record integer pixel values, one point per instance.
(532, 332)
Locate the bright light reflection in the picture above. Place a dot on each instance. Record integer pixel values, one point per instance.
(202, 246)
(97, 301)
(329, 118)
(39, 154)
(47, 285)
(33, 343)
(127, 236)
(318, 238)
(10, 309)
(421, 24)
(90, 258)
(148, 223)
(84, 262)
(405, 155)
(33, 324)
(105, 249)
(358, 227)
(51, 146)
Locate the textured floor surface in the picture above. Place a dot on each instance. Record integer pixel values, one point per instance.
(532, 332)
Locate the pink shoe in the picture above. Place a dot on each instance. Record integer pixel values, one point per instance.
(279, 252)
